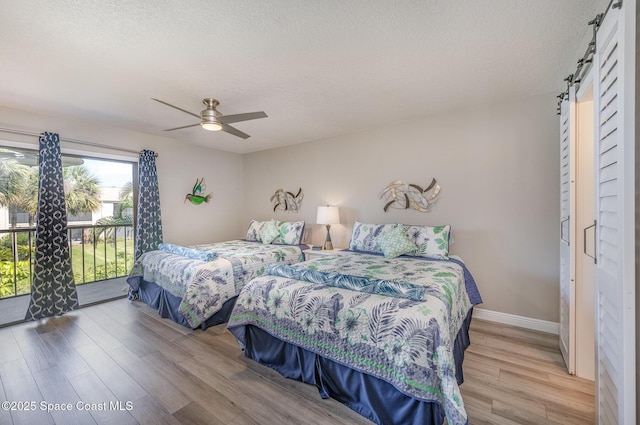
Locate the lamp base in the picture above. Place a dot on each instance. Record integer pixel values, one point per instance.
(327, 242)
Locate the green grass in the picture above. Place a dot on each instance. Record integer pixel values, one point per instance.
(105, 262)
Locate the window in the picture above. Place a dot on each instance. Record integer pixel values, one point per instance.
(99, 197)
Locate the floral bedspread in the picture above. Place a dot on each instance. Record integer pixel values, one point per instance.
(408, 343)
(205, 286)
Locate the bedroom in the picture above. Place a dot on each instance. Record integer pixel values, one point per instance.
(489, 139)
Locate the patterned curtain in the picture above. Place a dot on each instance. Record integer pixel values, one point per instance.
(53, 291)
(149, 222)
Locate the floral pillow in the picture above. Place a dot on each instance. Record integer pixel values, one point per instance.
(269, 232)
(396, 242)
(363, 237)
(290, 233)
(432, 242)
(253, 233)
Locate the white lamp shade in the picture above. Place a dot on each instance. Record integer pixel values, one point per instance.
(328, 215)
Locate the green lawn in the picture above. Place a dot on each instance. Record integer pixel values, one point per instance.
(104, 261)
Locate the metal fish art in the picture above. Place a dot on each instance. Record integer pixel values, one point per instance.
(287, 201)
(407, 195)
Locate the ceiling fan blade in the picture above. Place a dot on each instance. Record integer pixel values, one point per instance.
(184, 126)
(175, 107)
(228, 119)
(71, 161)
(234, 131)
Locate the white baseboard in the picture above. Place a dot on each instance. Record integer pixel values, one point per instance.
(520, 321)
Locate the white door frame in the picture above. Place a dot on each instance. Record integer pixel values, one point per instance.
(567, 328)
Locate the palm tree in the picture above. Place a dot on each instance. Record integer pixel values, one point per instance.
(126, 191)
(82, 193)
(126, 195)
(12, 177)
(19, 189)
(126, 198)
(16, 185)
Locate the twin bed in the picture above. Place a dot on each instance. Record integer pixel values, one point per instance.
(198, 286)
(381, 327)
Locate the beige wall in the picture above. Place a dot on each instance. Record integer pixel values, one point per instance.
(498, 167)
(179, 164)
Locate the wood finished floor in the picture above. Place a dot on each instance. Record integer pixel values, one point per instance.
(123, 352)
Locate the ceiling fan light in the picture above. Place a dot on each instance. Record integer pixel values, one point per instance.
(211, 126)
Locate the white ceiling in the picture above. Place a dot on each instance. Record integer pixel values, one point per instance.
(317, 68)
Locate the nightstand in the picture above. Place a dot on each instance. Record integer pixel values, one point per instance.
(310, 254)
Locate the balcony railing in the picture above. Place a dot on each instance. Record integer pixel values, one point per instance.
(98, 252)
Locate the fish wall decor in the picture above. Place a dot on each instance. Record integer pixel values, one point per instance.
(287, 201)
(407, 195)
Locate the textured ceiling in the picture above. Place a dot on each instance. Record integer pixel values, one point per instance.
(317, 68)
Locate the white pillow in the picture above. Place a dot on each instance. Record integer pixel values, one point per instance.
(363, 236)
(432, 241)
(253, 232)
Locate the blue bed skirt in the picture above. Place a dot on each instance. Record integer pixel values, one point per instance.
(167, 305)
(371, 397)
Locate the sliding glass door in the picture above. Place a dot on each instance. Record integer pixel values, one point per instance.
(99, 196)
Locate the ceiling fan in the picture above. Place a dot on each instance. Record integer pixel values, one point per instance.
(212, 120)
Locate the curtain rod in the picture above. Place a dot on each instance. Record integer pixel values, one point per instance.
(76, 141)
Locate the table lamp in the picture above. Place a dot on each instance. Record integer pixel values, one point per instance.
(328, 215)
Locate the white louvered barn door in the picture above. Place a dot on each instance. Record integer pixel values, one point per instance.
(567, 233)
(614, 180)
